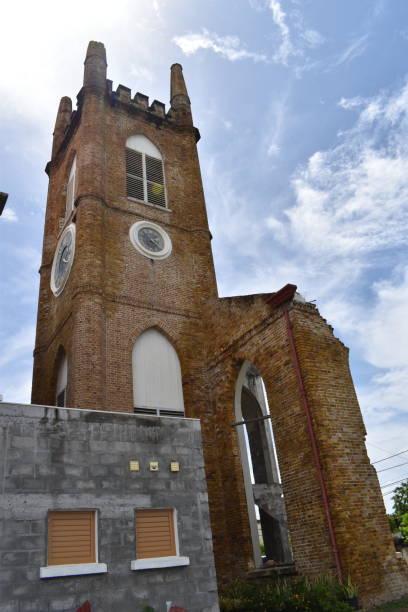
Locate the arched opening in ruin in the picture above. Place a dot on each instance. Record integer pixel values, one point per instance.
(266, 506)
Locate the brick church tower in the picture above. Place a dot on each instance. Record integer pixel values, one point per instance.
(129, 320)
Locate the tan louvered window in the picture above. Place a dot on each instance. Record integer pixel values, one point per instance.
(145, 178)
(155, 533)
(71, 537)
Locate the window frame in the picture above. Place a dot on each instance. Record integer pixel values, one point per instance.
(148, 346)
(73, 569)
(70, 192)
(142, 563)
(145, 180)
(62, 381)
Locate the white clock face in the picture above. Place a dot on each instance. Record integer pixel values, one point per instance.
(150, 240)
(63, 258)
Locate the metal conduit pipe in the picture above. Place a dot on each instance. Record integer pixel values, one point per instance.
(312, 436)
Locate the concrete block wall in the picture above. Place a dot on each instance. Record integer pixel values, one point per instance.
(59, 458)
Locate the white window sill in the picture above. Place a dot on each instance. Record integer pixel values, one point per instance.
(77, 569)
(158, 562)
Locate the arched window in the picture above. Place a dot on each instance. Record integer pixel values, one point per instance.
(157, 386)
(62, 379)
(144, 171)
(70, 199)
(266, 506)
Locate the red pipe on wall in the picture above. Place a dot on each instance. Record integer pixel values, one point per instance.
(312, 436)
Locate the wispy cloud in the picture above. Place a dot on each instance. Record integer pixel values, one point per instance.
(352, 103)
(312, 38)
(229, 47)
(356, 48)
(286, 48)
(353, 199)
(275, 125)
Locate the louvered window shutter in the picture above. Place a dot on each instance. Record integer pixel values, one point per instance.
(71, 537)
(145, 178)
(134, 174)
(70, 196)
(155, 533)
(155, 181)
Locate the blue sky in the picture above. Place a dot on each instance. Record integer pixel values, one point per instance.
(303, 111)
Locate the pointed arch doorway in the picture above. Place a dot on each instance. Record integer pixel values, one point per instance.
(266, 506)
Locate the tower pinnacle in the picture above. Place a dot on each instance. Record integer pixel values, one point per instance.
(178, 90)
(95, 66)
(61, 122)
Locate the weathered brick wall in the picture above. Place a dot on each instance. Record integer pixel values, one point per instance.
(54, 459)
(363, 536)
(248, 329)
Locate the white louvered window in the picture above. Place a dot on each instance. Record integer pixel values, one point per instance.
(144, 171)
(157, 383)
(62, 379)
(70, 199)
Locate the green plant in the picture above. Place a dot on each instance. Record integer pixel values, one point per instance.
(323, 594)
(146, 608)
(400, 498)
(404, 527)
(350, 589)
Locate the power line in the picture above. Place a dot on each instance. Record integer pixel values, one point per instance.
(392, 467)
(392, 483)
(390, 457)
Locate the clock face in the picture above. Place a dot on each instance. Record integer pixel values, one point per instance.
(150, 240)
(63, 259)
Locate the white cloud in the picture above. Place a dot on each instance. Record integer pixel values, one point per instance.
(386, 334)
(352, 103)
(227, 46)
(354, 198)
(17, 345)
(276, 121)
(286, 48)
(9, 215)
(46, 62)
(232, 49)
(356, 48)
(313, 38)
(233, 219)
(18, 387)
(142, 73)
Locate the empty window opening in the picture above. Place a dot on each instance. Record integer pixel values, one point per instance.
(265, 500)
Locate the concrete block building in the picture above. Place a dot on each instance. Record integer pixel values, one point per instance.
(132, 338)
